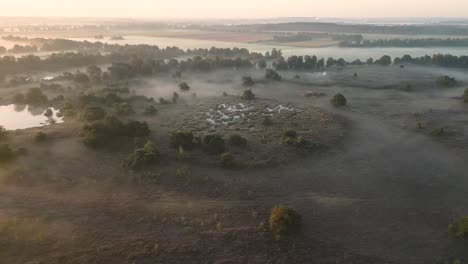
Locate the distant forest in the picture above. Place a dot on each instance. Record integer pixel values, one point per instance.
(426, 42)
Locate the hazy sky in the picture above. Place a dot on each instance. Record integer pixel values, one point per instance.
(234, 8)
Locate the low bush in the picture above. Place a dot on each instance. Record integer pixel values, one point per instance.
(437, 132)
(19, 98)
(237, 140)
(267, 121)
(182, 139)
(6, 153)
(446, 81)
(338, 100)
(163, 101)
(184, 87)
(100, 133)
(247, 81)
(465, 96)
(272, 75)
(228, 160)
(213, 144)
(459, 229)
(93, 113)
(150, 110)
(34, 96)
(175, 97)
(136, 129)
(40, 137)
(143, 157)
(3, 133)
(248, 95)
(123, 109)
(284, 221)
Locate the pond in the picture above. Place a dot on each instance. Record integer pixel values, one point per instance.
(14, 117)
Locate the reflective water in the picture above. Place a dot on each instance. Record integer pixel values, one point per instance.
(14, 117)
(336, 52)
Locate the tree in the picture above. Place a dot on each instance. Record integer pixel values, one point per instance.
(384, 60)
(338, 100)
(284, 221)
(34, 96)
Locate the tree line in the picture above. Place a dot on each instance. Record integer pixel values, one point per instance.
(425, 42)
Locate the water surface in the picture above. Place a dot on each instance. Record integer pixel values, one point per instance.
(14, 117)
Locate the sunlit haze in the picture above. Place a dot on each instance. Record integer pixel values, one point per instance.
(235, 9)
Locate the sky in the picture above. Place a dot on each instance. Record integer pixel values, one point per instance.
(234, 8)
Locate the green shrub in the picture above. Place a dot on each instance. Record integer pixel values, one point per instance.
(213, 144)
(3, 133)
(184, 87)
(150, 110)
(267, 121)
(34, 96)
(123, 109)
(6, 153)
(465, 96)
(163, 101)
(338, 100)
(284, 221)
(136, 129)
(459, 229)
(40, 137)
(273, 75)
(48, 113)
(228, 160)
(446, 81)
(247, 81)
(248, 95)
(289, 134)
(436, 132)
(93, 113)
(182, 139)
(143, 157)
(19, 98)
(100, 133)
(237, 140)
(175, 97)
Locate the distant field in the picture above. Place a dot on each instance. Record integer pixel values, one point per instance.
(241, 37)
(316, 43)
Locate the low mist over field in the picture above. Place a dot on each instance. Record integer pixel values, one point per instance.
(233, 132)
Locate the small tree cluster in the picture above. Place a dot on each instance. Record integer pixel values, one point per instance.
(123, 109)
(284, 221)
(102, 132)
(34, 96)
(182, 139)
(237, 140)
(213, 144)
(150, 110)
(247, 81)
(6, 153)
(459, 229)
(446, 81)
(273, 75)
(184, 87)
(3, 133)
(40, 137)
(248, 95)
(93, 113)
(143, 157)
